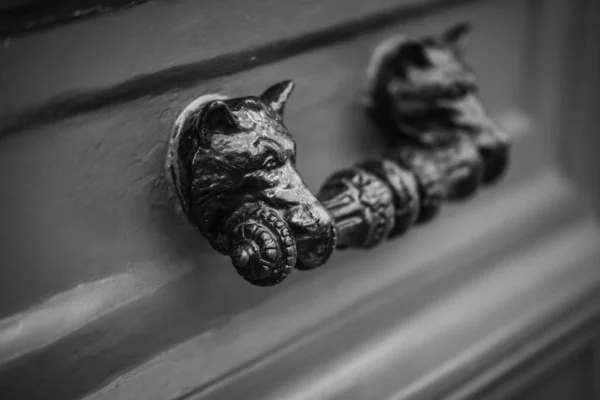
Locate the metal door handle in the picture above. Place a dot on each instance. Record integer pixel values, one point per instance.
(231, 162)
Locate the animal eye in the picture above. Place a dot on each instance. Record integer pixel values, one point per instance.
(270, 162)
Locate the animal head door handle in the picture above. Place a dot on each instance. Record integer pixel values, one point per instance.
(231, 163)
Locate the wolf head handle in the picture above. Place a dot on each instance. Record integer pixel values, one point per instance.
(232, 165)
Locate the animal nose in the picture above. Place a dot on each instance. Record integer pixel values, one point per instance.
(309, 219)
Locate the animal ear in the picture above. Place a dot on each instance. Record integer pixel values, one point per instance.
(215, 117)
(457, 37)
(277, 95)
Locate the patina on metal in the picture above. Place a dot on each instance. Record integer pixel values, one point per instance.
(231, 162)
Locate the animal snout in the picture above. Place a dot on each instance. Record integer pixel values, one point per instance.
(309, 219)
(314, 232)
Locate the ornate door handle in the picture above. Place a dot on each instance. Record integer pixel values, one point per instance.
(231, 162)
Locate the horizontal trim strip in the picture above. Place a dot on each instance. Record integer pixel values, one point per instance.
(544, 290)
(70, 310)
(62, 314)
(39, 15)
(42, 89)
(421, 355)
(532, 360)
